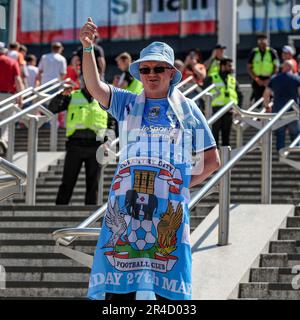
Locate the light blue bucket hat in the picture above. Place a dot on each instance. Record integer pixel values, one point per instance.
(156, 51)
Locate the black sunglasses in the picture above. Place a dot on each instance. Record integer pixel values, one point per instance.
(147, 70)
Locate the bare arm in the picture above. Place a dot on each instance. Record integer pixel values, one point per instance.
(19, 83)
(102, 65)
(211, 164)
(20, 87)
(250, 72)
(98, 89)
(267, 98)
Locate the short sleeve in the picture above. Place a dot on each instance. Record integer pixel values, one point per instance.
(120, 99)
(275, 58)
(251, 56)
(41, 64)
(203, 138)
(63, 66)
(17, 70)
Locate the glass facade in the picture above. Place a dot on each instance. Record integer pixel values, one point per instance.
(44, 21)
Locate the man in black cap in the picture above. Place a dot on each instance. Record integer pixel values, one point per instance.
(213, 63)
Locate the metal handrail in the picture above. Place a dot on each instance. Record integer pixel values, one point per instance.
(12, 169)
(34, 122)
(241, 153)
(185, 81)
(204, 92)
(30, 94)
(220, 113)
(191, 89)
(21, 114)
(285, 152)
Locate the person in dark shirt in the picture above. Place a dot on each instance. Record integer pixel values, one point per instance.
(283, 87)
(263, 62)
(82, 143)
(99, 55)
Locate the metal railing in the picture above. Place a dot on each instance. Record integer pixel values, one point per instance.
(66, 236)
(292, 149)
(13, 182)
(33, 121)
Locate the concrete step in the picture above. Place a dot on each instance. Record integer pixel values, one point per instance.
(274, 275)
(293, 222)
(47, 276)
(274, 291)
(45, 224)
(289, 234)
(42, 248)
(281, 260)
(44, 289)
(284, 246)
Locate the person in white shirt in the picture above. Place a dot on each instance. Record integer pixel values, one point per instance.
(53, 65)
(33, 71)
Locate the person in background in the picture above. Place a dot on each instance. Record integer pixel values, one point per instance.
(53, 65)
(179, 64)
(227, 89)
(213, 63)
(194, 67)
(288, 53)
(33, 71)
(10, 83)
(283, 87)
(263, 62)
(99, 56)
(127, 81)
(86, 124)
(73, 71)
(14, 53)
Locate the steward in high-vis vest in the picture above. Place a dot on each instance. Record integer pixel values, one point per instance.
(213, 63)
(226, 90)
(86, 130)
(126, 80)
(263, 62)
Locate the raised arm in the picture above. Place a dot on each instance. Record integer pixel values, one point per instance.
(98, 89)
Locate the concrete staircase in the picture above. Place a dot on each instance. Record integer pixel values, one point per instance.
(274, 277)
(34, 271)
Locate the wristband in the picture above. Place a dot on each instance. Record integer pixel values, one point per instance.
(88, 49)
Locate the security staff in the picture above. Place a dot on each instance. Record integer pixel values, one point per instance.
(86, 121)
(213, 63)
(227, 89)
(263, 62)
(127, 81)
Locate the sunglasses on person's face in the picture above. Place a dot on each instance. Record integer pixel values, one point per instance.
(147, 70)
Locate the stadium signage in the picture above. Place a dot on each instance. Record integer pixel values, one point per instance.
(125, 6)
